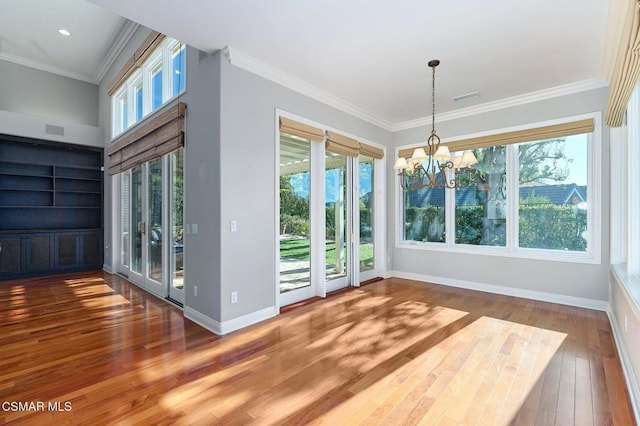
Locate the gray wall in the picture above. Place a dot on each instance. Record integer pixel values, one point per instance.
(571, 279)
(202, 184)
(30, 91)
(248, 111)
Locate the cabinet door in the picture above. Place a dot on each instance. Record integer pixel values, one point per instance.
(67, 250)
(39, 253)
(91, 248)
(11, 255)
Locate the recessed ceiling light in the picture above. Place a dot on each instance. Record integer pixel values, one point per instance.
(64, 32)
(466, 97)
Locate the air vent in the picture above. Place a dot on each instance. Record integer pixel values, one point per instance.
(50, 129)
(467, 97)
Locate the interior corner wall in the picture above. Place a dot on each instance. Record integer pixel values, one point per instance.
(202, 251)
(39, 93)
(585, 281)
(249, 176)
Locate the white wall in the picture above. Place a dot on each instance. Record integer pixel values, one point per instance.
(570, 281)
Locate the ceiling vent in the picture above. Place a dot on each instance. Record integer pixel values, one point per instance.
(50, 129)
(467, 97)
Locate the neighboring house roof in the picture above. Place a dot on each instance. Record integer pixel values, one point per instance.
(559, 194)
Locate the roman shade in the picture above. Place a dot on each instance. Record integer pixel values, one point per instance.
(340, 144)
(527, 135)
(627, 67)
(305, 131)
(371, 151)
(139, 57)
(160, 135)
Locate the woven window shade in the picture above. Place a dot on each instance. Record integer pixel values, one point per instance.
(627, 68)
(340, 144)
(142, 54)
(371, 151)
(161, 135)
(528, 135)
(305, 131)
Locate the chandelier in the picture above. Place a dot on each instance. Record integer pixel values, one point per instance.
(435, 167)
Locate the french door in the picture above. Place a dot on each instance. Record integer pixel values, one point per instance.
(151, 218)
(327, 229)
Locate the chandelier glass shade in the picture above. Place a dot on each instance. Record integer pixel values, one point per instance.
(433, 166)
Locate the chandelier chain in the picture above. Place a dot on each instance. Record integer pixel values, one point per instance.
(433, 101)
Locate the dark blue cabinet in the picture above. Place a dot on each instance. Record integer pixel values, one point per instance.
(51, 201)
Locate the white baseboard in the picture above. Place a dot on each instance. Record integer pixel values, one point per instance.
(580, 302)
(221, 328)
(107, 268)
(627, 369)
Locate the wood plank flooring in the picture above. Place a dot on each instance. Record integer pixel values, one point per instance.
(393, 352)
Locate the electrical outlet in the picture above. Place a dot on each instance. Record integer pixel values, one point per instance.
(626, 323)
(195, 290)
(234, 297)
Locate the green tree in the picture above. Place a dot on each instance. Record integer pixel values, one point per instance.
(539, 162)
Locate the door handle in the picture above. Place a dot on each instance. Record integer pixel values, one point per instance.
(143, 228)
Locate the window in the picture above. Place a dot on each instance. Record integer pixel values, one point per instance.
(120, 111)
(178, 62)
(137, 95)
(156, 87)
(534, 198)
(160, 78)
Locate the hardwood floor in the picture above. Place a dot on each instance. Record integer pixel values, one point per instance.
(393, 352)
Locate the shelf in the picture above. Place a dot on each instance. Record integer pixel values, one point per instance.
(24, 175)
(51, 207)
(61, 166)
(94, 169)
(59, 191)
(26, 189)
(78, 178)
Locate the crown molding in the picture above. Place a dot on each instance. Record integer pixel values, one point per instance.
(44, 67)
(248, 63)
(127, 31)
(527, 98)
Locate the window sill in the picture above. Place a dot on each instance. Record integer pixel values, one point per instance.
(630, 286)
(547, 255)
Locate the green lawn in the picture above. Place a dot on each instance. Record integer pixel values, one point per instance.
(295, 248)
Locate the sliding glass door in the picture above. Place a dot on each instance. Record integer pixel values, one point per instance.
(338, 218)
(151, 250)
(295, 219)
(327, 227)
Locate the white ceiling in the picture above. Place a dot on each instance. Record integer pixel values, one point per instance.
(29, 36)
(369, 56)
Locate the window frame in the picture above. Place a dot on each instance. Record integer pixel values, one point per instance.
(160, 58)
(594, 194)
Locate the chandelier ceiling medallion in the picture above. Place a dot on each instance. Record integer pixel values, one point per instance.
(432, 166)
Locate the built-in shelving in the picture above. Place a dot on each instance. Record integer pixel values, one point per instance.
(51, 192)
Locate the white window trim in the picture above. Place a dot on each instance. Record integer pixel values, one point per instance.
(116, 110)
(594, 212)
(633, 182)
